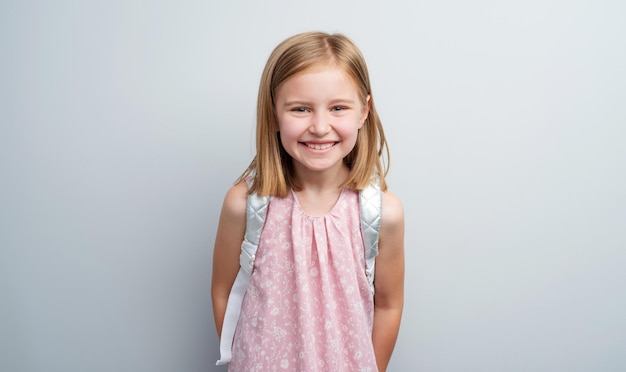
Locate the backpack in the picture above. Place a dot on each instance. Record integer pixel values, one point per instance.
(370, 204)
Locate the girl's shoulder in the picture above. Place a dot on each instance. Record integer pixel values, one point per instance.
(235, 200)
(393, 211)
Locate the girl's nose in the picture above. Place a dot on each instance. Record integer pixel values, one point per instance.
(320, 124)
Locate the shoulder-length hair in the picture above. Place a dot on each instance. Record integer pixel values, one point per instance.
(272, 167)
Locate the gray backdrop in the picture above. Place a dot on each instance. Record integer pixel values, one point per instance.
(123, 123)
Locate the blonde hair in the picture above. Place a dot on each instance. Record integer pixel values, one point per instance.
(272, 166)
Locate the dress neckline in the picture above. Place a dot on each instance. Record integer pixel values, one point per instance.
(329, 212)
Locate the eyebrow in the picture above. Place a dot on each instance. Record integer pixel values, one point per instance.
(332, 102)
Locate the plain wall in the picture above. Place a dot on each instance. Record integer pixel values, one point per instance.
(123, 123)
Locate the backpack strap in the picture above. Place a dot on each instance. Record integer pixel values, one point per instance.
(256, 210)
(371, 204)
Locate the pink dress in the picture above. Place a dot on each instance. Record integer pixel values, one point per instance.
(308, 306)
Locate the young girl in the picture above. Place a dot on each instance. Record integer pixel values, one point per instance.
(309, 305)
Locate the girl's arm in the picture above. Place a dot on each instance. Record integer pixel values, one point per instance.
(230, 232)
(388, 280)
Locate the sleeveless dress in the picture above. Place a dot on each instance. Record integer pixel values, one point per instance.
(309, 306)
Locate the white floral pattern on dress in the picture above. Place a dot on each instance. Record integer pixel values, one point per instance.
(309, 306)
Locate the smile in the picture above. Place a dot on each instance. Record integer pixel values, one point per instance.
(320, 146)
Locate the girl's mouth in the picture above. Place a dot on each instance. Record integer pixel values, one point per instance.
(320, 146)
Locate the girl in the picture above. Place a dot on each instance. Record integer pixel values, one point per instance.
(309, 305)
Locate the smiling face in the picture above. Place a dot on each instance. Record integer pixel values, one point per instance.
(319, 113)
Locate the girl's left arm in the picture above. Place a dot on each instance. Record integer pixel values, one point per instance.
(388, 280)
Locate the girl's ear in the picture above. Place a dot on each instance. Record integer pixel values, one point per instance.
(366, 110)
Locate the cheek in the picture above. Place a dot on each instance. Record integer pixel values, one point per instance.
(349, 126)
(291, 125)
(282, 126)
(288, 131)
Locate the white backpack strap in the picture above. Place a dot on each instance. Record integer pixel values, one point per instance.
(256, 211)
(231, 317)
(371, 204)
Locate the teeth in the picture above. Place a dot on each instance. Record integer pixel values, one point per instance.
(317, 146)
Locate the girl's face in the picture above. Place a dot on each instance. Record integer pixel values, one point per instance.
(319, 114)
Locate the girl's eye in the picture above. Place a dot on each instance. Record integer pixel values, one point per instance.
(338, 108)
(299, 109)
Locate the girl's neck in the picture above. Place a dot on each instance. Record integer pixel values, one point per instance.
(320, 182)
(319, 191)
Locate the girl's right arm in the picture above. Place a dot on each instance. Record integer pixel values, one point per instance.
(230, 233)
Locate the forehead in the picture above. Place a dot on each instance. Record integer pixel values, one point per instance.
(320, 75)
